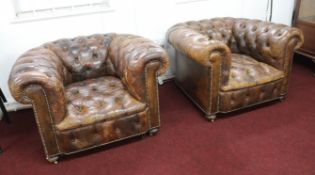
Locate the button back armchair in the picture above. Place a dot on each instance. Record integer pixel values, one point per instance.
(90, 91)
(226, 64)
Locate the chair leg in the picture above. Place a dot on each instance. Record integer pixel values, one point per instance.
(211, 117)
(281, 98)
(153, 131)
(53, 160)
(4, 112)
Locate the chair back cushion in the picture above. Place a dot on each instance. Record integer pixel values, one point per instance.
(84, 57)
(264, 41)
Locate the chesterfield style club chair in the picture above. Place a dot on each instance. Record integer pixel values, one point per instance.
(90, 91)
(226, 64)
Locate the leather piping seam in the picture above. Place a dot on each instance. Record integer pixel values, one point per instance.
(50, 117)
(210, 87)
(147, 96)
(192, 99)
(219, 82)
(39, 126)
(51, 120)
(289, 67)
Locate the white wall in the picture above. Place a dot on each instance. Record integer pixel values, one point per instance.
(149, 18)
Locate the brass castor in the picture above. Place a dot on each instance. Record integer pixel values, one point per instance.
(142, 135)
(153, 131)
(211, 117)
(53, 160)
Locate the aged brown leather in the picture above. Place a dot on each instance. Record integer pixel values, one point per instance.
(90, 91)
(225, 64)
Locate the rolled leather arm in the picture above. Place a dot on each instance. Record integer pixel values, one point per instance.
(269, 42)
(199, 48)
(39, 67)
(130, 54)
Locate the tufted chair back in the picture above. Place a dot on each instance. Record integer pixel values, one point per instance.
(83, 57)
(263, 41)
(266, 42)
(219, 29)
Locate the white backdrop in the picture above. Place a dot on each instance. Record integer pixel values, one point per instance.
(149, 18)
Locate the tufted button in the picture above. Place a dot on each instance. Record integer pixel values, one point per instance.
(112, 85)
(242, 25)
(65, 48)
(118, 131)
(201, 40)
(74, 140)
(279, 33)
(75, 92)
(275, 91)
(88, 67)
(254, 28)
(94, 88)
(101, 104)
(261, 95)
(76, 60)
(118, 99)
(266, 30)
(94, 55)
(232, 102)
(267, 43)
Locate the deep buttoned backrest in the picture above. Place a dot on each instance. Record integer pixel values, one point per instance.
(220, 29)
(264, 41)
(84, 57)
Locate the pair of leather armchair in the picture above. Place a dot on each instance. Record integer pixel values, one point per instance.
(226, 64)
(94, 90)
(90, 91)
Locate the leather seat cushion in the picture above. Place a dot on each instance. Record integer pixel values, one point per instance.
(97, 100)
(247, 72)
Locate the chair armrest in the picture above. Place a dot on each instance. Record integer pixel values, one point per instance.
(130, 56)
(210, 53)
(268, 42)
(39, 67)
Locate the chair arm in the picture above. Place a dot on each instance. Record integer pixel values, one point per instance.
(39, 67)
(267, 42)
(130, 56)
(210, 53)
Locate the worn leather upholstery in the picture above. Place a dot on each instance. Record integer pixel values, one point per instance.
(91, 90)
(247, 72)
(225, 64)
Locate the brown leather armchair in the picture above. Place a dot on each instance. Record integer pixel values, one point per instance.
(90, 91)
(226, 64)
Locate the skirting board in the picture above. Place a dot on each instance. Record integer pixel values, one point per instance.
(162, 79)
(15, 106)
